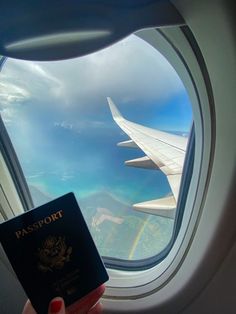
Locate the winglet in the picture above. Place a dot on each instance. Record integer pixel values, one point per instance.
(117, 116)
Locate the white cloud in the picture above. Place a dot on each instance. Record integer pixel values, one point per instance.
(131, 72)
(66, 177)
(36, 69)
(64, 125)
(35, 176)
(11, 97)
(80, 125)
(7, 114)
(11, 93)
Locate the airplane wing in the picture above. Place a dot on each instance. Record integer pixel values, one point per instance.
(164, 151)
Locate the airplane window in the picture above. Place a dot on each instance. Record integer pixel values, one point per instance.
(65, 119)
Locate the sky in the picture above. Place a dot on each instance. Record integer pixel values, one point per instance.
(59, 121)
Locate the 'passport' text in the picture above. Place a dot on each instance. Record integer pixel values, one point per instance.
(39, 224)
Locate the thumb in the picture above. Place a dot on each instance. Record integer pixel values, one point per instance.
(57, 306)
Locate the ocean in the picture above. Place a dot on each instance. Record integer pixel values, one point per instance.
(93, 168)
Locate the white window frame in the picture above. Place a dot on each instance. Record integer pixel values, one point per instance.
(126, 286)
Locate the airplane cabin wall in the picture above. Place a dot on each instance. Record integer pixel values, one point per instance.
(213, 25)
(12, 296)
(219, 295)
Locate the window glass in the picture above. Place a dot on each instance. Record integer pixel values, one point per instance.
(61, 127)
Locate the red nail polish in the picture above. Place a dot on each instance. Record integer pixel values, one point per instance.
(55, 306)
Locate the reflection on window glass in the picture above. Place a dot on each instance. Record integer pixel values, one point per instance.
(60, 124)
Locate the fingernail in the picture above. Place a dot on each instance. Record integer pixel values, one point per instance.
(55, 306)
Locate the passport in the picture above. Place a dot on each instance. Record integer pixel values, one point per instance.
(52, 253)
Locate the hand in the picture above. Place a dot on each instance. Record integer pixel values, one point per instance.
(87, 304)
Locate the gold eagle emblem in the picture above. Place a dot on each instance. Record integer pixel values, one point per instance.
(53, 254)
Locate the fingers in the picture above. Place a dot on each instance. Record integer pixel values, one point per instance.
(87, 303)
(56, 306)
(28, 308)
(97, 309)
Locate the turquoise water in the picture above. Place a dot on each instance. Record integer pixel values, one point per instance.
(104, 187)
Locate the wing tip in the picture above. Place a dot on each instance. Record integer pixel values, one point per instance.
(114, 110)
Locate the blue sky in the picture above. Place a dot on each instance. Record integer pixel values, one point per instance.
(61, 126)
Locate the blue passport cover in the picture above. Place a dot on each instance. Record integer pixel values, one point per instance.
(52, 253)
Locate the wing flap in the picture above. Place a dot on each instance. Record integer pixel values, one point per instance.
(174, 181)
(142, 162)
(129, 143)
(164, 207)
